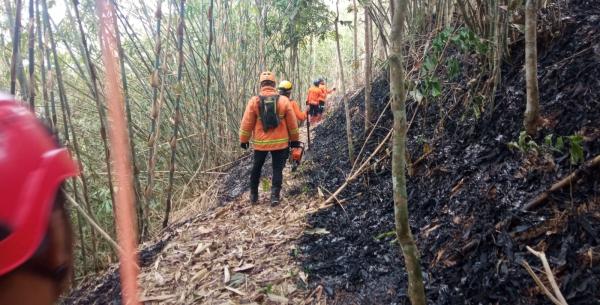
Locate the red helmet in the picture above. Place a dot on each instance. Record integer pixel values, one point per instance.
(32, 168)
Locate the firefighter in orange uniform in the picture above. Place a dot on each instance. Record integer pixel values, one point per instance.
(285, 88)
(271, 123)
(323, 98)
(313, 98)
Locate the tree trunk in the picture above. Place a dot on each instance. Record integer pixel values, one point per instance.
(31, 41)
(532, 110)
(312, 58)
(355, 63)
(15, 51)
(20, 74)
(368, 69)
(41, 50)
(343, 85)
(262, 24)
(416, 291)
(177, 112)
(207, 120)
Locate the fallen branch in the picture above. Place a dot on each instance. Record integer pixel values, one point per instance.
(373, 129)
(556, 298)
(359, 170)
(370, 134)
(537, 201)
(540, 284)
(92, 222)
(336, 200)
(226, 164)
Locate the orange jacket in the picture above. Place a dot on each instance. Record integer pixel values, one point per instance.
(272, 139)
(314, 95)
(300, 115)
(324, 92)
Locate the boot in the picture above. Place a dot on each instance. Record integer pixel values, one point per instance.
(254, 195)
(275, 196)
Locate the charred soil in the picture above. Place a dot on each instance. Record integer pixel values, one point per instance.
(466, 195)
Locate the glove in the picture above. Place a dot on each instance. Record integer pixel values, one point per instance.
(245, 145)
(294, 144)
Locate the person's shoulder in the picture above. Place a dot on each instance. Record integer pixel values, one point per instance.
(284, 99)
(253, 101)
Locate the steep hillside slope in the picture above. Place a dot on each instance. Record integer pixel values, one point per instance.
(466, 195)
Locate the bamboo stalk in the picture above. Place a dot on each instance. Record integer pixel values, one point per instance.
(31, 51)
(66, 112)
(156, 81)
(93, 223)
(96, 96)
(15, 51)
(343, 87)
(177, 115)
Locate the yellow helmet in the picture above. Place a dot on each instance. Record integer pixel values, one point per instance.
(285, 85)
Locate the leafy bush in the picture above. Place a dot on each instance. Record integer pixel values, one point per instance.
(526, 144)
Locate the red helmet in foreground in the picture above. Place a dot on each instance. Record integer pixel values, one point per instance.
(32, 169)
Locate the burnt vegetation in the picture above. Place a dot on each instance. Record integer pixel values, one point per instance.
(468, 186)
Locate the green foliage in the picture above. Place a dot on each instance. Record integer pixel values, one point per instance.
(305, 189)
(385, 234)
(430, 64)
(453, 68)
(439, 42)
(265, 184)
(293, 21)
(432, 86)
(102, 198)
(295, 252)
(526, 144)
(466, 40)
(576, 149)
(268, 289)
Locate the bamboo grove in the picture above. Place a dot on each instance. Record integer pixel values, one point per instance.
(188, 68)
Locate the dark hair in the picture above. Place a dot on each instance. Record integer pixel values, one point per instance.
(285, 92)
(268, 83)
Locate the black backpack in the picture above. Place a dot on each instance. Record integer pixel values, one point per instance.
(267, 111)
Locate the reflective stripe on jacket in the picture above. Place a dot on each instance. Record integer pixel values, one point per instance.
(314, 95)
(300, 115)
(272, 139)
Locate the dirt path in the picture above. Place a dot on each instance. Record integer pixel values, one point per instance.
(234, 253)
(237, 253)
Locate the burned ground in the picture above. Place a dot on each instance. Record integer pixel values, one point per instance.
(466, 197)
